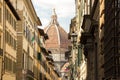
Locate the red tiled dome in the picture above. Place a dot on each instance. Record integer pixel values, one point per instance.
(58, 38)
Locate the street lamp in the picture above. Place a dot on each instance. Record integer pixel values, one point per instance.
(73, 38)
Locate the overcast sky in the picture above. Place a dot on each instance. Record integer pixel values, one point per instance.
(65, 10)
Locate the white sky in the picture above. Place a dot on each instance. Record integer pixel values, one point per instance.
(65, 10)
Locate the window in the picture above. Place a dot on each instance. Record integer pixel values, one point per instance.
(0, 15)
(10, 65)
(14, 67)
(10, 40)
(7, 14)
(25, 60)
(49, 70)
(25, 29)
(5, 59)
(27, 32)
(14, 44)
(29, 35)
(5, 36)
(118, 3)
(10, 19)
(30, 64)
(14, 24)
(41, 76)
(0, 41)
(35, 71)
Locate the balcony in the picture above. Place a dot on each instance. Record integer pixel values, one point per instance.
(30, 73)
(67, 54)
(87, 40)
(89, 24)
(51, 63)
(41, 31)
(86, 23)
(44, 51)
(46, 37)
(49, 58)
(84, 37)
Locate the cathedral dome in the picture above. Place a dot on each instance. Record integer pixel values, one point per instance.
(58, 37)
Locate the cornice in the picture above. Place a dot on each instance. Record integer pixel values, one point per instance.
(12, 9)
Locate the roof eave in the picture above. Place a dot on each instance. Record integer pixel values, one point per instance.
(12, 9)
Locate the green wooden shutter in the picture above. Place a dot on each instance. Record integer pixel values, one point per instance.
(39, 56)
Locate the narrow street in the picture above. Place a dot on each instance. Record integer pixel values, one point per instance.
(60, 40)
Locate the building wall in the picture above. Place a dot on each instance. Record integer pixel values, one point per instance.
(111, 40)
(100, 37)
(89, 10)
(83, 70)
(81, 10)
(9, 42)
(29, 39)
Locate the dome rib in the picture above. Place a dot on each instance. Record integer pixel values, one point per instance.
(47, 28)
(58, 34)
